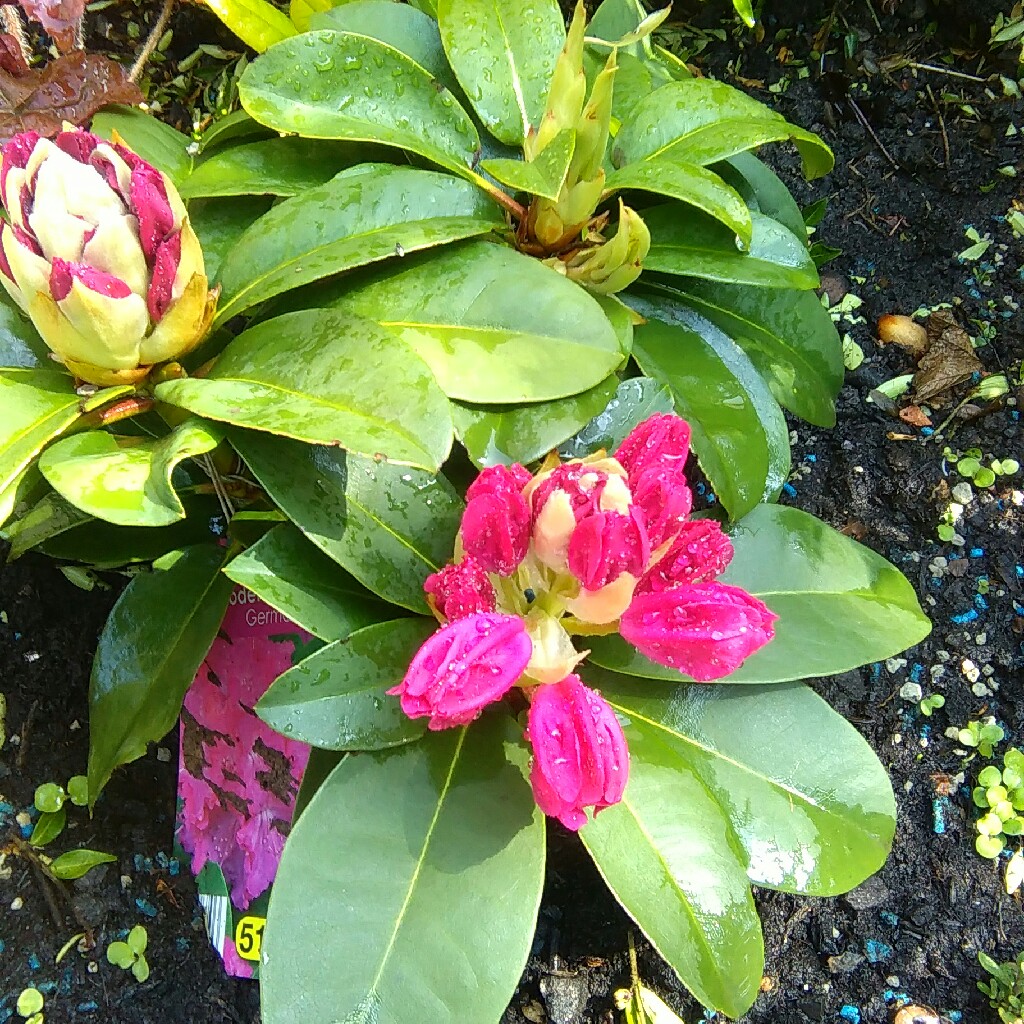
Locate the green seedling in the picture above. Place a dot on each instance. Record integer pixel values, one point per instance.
(969, 465)
(30, 1006)
(1000, 794)
(1005, 990)
(638, 1004)
(50, 801)
(982, 734)
(130, 955)
(931, 703)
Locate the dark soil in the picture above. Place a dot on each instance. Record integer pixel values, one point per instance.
(900, 201)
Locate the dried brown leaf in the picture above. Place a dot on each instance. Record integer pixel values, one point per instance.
(949, 361)
(12, 60)
(71, 88)
(915, 416)
(59, 18)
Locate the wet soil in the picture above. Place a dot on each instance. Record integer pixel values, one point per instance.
(921, 157)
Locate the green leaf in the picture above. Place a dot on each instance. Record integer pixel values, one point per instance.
(367, 878)
(463, 310)
(702, 121)
(318, 768)
(670, 856)
(543, 176)
(143, 133)
(762, 190)
(361, 90)
(293, 576)
(49, 825)
(257, 23)
(278, 167)
(138, 940)
(367, 214)
(387, 525)
(524, 433)
(76, 863)
(148, 653)
(35, 407)
(689, 183)
(18, 497)
(840, 605)
(695, 245)
(78, 790)
(739, 433)
(20, 344)
(400, 26)
(504, 56)
(125, 480)
(321, 376)
(232, 128)
(814, 817)
(789, 336)
(49, 798)
(219, 223)
(120, 955)
(140, 969)
(635, 400)
(336, 698)
(49, 517)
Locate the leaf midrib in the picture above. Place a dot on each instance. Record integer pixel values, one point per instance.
(513, 331)
(20, 461)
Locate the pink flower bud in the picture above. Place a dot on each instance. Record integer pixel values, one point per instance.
(63, 275)
(705, 630)
(463, 667)
(461, 589)
(699, 554)
(659, 442)
(605, 545)
(496, 524)
(580, 757)
(664, 501)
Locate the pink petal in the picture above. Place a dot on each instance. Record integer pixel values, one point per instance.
(16, 154)
(664, 501)
(161, 284)
(496, 531)
(500, 480)
(149, 203)
(605, 545)
(63, 274)
(77, 144)
(461, 589)
(661, 441)
(700, 552)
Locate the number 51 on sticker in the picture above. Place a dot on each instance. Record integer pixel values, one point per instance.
(249, 937)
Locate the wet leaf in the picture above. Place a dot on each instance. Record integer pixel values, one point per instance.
(949, 361)
(76, 863)
(634, 401)
(59, 19)
(71, 88)
(159, 143)
(257, 23)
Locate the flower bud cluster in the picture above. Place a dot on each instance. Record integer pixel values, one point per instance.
(590, 546)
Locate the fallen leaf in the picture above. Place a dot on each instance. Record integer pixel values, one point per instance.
(854, 528)
(60, 19)
(915, 416)
(12, 59)
(949, 361)
(71, 88)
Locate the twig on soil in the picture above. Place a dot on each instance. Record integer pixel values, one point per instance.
(871, 131)
(944, 71)
(801, 912)
(942, 124)
(155, 33)
(26, 731)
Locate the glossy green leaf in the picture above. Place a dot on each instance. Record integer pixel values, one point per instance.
(219, 223)
(337, 697)
(49, 517)
(694, 245)
(669, 854)
(368, 214)
(125, 480)
(789, 336)
(739, 433)
(807, 797)
(504, 55)
(148, 653)
(361, 90)
(634, 401)
(296, 578)
(691, 184)
(156, 142)
(763, 190)
(840, 605)
(257, 23)
(76, 863)
(20, 494)
(302, 12)
(543, 176)
(318, 769)
(325, 377)
(392, 844)
(400, 26)
(20, 344)
(35, 407)
(463, 310)
(278, 167)
(48, 826)
(703, 121)
(232, 127)
(525, 433)
(388, 525)
(621, 317)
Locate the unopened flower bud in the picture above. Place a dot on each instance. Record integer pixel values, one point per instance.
(460, 589)
(496, 523)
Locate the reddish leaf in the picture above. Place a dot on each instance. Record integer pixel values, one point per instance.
(59, 18)
(71, 88)
(12, 59)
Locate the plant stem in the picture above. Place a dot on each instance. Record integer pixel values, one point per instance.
(944, 71)
(159, 26)
(503, 199)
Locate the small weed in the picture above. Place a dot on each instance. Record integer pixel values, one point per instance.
(1005, 991)
(931, 703)
(130, 955)
(1000, 794)
(30, 1006)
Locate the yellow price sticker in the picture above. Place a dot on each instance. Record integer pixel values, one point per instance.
(249, 937)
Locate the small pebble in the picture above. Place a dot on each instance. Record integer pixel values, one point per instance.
(163, 754)
(17, 903)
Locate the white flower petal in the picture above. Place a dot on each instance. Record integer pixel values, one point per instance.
(63, 183)
(115, 248)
